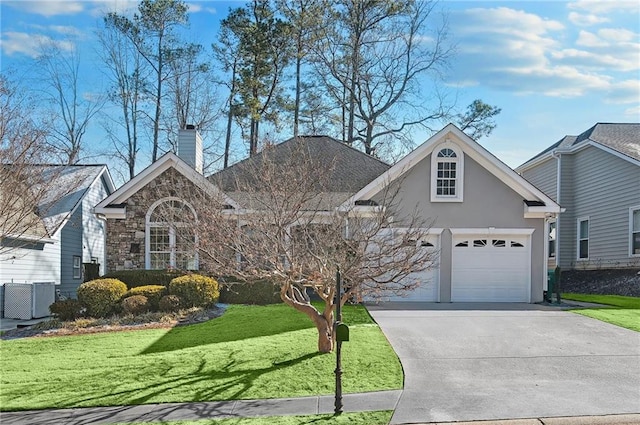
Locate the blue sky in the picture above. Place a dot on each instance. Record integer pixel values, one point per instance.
(554, 67)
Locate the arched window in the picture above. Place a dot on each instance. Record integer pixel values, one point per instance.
(446, 173)
(170, 236)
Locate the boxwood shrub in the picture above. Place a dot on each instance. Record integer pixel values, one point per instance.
(169, 303)
(66, 310)
(135, 278)
(101, 297)
(152, 292)
(260, 292)
(195, 290)
(135, 304)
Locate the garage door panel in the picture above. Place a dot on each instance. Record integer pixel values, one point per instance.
(426, 281)
(490, 268)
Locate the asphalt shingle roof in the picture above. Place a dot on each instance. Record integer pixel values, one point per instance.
(350, 169)
(621, 137)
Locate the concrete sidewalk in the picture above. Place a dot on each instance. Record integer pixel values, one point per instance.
(383, 400)
(363, 402)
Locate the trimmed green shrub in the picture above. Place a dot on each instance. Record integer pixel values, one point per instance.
(101, 296)
(135, 278)
(261, 292)
(135, 304)
(195, 290)
(152, 292)
(169, 303)
(66, 310)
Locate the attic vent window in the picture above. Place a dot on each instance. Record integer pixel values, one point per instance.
(447, 153)
(447, 172)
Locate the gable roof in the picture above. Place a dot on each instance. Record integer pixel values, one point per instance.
(66, 187)
(349, 169)
(535, 200)
(621, 139)
(114, 206)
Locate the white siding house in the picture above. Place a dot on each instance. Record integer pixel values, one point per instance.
(73, 235)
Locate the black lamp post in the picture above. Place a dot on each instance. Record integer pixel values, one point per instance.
(336, 322)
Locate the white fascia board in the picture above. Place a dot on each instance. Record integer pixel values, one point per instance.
(541, 211)
(154, 170)
(491, 231)
(364, 210)
(118, 213)
(534, 162)
(401, 167)
(125, 191)
(608, 150)
(471, 148)
(507, 175)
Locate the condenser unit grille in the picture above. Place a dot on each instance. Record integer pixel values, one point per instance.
(17, 300)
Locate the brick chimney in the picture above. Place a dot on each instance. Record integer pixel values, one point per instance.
(190, 147)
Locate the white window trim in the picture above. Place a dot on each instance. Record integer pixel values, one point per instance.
(459, 173)
(548, 239)
(77, 268)
(147, 233)
(578, 221)
(631, 211)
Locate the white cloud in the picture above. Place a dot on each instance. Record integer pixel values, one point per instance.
(633, 113)
(520, 52)
(48, 8)
(194, 7)
(30, 44)
(624, 92)
(608, 6)
(586, 19)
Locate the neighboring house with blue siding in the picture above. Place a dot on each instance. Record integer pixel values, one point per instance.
(70, 234)
(595, 176)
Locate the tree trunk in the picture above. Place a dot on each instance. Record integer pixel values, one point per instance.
(325, 333)
(323, 321)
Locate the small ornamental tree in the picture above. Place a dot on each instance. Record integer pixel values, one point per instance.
(294, 227)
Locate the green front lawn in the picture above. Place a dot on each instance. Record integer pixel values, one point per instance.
(250, 352)
(620, 311)
(359, 418)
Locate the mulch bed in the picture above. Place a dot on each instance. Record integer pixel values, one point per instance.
(42, 330)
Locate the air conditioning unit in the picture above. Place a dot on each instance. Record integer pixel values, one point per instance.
(28, 300)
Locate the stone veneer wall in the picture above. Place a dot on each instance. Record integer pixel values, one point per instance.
(126, 237)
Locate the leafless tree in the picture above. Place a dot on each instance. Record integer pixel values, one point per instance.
(286, 227)
(73, 109)
(126, 72)
(28, 187)
(191, 94)
(152, 33)
(371, 58)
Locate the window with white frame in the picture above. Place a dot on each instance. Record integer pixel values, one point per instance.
(634, 229)
(171, 235)
(446, 173)
(552, 239)
(77, 267)
(583, 238)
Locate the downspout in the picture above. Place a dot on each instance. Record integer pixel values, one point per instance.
(557, 155)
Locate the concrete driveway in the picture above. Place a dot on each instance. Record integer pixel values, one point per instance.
(466, 362)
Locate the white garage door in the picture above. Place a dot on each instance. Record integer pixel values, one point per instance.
(427, 281)
(491, 268)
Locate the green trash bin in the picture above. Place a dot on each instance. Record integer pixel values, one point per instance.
(551, 284)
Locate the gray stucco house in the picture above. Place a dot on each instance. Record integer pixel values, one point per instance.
(69, 234)
(488, 222)
(595, 176)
